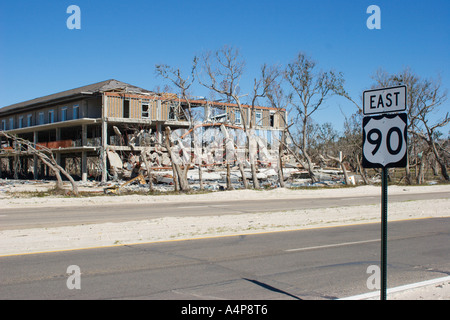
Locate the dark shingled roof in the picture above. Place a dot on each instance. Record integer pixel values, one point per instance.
(98, 87)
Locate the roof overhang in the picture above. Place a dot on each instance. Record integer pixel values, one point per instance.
(48, 103)
(55, 125)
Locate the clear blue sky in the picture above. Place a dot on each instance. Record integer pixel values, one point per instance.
(124, 40)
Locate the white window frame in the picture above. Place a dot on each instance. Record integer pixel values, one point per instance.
(29, 120)
(76, 112)
(11, 123)
(51, 116)
(3, 125)
(20, 122)
(41, 118)
(63, 113)
(148, 112)
(237, 117)
(259, 121)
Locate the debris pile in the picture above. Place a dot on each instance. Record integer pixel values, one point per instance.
(134, 179)
(142, 161)
(215, 179)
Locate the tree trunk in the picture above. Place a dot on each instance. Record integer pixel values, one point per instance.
(344, 170)
(252, 157)
(254, 176)
(361, 170)
(229, 186)
(175, 177)
(149, 171)
(72, 182)
(200, 178)
(280, 171)
(444, 171)
(420, 175)
(340, 160)
(310, 167)
(244, 178)
(59, 182)
(305, 153)
(48, 160)
(441, 163)
(408, 173)
(181, 174)
(280, 161)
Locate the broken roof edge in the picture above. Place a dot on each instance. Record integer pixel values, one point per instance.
(228, 104)
(108, 86)
(165, 96)
(98, 87)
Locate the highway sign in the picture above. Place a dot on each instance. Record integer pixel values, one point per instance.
(384, 146)
(384, 100)
(385, 141)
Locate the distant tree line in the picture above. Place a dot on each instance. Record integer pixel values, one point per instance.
(301, 88)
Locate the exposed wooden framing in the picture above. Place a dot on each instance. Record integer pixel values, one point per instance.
(97, 112)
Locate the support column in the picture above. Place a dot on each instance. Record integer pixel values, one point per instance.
(84, 135)
(104, 138)
(104, 148)
(1, 172)
(84, 166)
(84, 153)
(16, 162)
(28, 164)
(58, 138)
(159, 133)
(11, 165)
(35, 157)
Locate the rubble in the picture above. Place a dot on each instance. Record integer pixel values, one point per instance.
(126, 166)
(213, 179)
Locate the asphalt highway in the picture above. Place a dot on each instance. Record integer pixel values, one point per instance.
(325, 263)
(66, 216)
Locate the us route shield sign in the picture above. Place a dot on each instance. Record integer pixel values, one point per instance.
(385, 141)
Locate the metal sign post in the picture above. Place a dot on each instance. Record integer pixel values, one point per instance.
(384, 213)
(384, 146)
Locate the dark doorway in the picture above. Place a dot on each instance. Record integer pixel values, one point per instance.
(126, 108)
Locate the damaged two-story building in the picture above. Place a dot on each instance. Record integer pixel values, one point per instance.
(89, 128)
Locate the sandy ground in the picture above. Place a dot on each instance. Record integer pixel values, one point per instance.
(178, 228)
(9, 198)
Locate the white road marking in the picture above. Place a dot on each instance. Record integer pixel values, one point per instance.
(332, 245)
(397, 289)
(189, 207)
(206, 206)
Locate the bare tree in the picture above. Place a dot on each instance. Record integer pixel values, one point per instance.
(279, 100)
(322, 140)
(46, 156)
(428, 134)
(425, 97)
(350, 143)
(223, 70)
(432, 98)
(179, 174)
(310, 89)
(183, 84)
(261, 89)
(144, 153)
